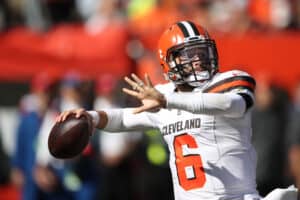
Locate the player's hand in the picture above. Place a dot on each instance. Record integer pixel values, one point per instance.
(77, 112)
(150, 97)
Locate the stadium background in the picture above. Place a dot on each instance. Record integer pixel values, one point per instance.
(96, 38)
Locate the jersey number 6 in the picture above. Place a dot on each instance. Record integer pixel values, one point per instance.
(189, 167)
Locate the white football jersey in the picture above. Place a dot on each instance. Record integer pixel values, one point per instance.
(290, 193)
(211, 157)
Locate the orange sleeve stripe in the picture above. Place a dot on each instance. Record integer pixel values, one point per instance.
(232, 84)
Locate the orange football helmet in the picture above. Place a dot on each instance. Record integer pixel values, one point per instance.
(187, 54)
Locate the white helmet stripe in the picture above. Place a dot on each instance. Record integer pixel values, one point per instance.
(189, 28)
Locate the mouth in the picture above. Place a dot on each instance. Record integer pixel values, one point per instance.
(199, 76)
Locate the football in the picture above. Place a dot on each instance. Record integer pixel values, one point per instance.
(68, 139)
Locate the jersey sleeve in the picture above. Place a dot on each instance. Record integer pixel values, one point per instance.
(237, 82)
(124, 120)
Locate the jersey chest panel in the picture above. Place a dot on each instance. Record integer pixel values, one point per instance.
(197, 152)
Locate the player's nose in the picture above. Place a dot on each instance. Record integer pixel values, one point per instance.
(197, 66)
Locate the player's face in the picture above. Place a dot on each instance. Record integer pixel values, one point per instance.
(190, 65)
(191, 60)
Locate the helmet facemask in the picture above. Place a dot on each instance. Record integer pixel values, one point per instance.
(192, 63)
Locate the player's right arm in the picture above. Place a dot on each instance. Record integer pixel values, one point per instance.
(113, 120)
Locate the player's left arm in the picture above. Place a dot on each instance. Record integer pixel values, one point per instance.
(233, 103)
(229, 104)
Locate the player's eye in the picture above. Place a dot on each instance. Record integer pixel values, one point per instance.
(197, 54)
(184, 60)
(194, 53)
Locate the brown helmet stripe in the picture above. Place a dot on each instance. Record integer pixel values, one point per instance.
(194, 27)
(183, 29)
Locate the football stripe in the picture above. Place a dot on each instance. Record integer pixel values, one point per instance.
(248, 100)
(232, 79)
(232, 85)
(183, 29)
(189, 28)
(236, 87)
(194, 28)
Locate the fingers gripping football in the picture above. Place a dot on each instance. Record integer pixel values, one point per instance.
(64, 115)
(150, 97)
(78, 113)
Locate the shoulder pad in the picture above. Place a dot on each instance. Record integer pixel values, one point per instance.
(229, 74)
(230, 80)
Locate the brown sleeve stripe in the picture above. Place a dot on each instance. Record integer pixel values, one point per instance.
(232, 83)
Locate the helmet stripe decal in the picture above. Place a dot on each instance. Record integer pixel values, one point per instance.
(194, 28)
(183, 29)
(188, 28)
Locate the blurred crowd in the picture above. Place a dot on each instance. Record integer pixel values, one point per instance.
(112, 166)
(134, 166)
(219, 15)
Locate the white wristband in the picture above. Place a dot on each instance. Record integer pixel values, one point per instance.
(95, 116)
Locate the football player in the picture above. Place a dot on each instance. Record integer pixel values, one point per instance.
(203, 115)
